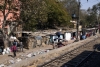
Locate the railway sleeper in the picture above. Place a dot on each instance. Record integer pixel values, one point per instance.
(70, 64)
(80, 63)
(81, 59)
(74, 62)
(83, 56)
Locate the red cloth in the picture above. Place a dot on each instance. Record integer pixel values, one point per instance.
(13, 48)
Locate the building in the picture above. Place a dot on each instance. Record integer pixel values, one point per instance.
(12, 15)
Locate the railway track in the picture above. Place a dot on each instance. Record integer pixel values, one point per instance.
(75, 58)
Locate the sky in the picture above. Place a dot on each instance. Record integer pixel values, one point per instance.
(90, 3)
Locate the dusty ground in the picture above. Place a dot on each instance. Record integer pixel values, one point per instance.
(5, 58)
(60, 52)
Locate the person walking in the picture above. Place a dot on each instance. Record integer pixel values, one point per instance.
(54, 44)
(14, 49)
(21, 46)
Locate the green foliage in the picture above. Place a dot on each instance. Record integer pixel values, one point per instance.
(43, 14)
(57, 14)
(32, 12)
(27, 14)
(93, 16)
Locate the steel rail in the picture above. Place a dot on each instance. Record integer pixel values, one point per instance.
(68, 53)
(80, 63)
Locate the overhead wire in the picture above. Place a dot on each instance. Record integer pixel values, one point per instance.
(89, 2)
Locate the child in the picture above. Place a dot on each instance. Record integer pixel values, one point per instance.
(14, 49)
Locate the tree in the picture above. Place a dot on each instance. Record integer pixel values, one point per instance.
(28, 10)
(92, 16)
(71, 6)
(57, 14)
(33, 14)
(40, 14)
(8, 7)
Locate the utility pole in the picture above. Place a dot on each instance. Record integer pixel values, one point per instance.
(99, 20)
(78, 20)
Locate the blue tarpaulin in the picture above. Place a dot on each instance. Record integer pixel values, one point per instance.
(58, 33)
(38, 37)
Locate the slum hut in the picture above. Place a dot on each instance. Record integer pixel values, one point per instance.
(72, 34)
(89, 31)
(38, 41)
(56, 37)
(23, 36)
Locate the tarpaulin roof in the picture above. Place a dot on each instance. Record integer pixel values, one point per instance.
(38, 37)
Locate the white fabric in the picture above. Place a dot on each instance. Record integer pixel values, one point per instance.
(67, 36)
(3, 53)
(8, 49)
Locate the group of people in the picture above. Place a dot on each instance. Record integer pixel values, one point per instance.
(15, 45)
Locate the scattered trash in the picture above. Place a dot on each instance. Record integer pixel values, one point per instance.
(3, 53)
(29, 55)
(6, 51)
(11, 61)
(18, 59)
(34, 54)
(96, 36)
(2, 65)
(22, 57)
(47, 50)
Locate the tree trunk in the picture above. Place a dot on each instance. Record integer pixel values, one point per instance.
(6, 43)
